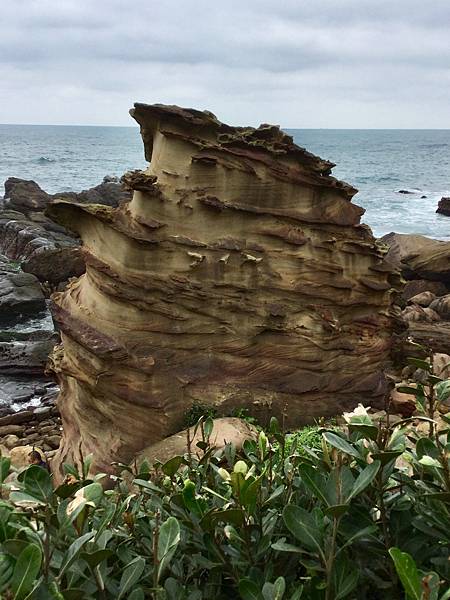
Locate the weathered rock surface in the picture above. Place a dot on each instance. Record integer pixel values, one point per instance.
(426, 264)
(238, 275)
(417, 286)
(423, 299)
(419, 257)
(444, 207)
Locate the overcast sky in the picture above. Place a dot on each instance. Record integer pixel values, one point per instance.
(299, 63)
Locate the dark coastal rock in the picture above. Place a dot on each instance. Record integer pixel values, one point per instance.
(405, 192)
(41, 246)
(108, 193)
(44, 248)
(25, 357)
(444, 207)
(20, 293)
(417, 286)
(24, 196)
(55, 265)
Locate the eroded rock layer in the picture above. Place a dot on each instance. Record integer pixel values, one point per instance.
(239, 275)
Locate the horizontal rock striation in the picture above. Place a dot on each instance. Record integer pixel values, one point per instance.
(239, 275)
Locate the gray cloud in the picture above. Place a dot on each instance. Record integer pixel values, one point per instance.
(316, 63)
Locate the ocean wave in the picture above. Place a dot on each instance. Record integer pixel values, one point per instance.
(43, 160)
(428, 146)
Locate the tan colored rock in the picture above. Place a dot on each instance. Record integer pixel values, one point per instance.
(226, 430)
(414, 313)
(238, 276)
(402, 404)
(441, 365)
(423, 299)
(19, 456)
(10, 441)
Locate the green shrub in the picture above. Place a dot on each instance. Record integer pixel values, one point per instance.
(198, 411)
(358, 514)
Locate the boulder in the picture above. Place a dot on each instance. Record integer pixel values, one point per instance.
(403, 404)
(442, 307)
(239, 275)
(40, 246)
(434, 335)
(444, 207)
(26, 357)
(419, 257)
(414, 313)
(441, 365)
(226, 430)
(109, 193)
(10, 441)
(20, 293)
(24, 196)
(423, 299)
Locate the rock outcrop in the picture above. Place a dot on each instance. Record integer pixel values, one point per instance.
(20, 293)
(425, 263)
(44, 248)
(444, 207)
(419, 257)
(238, 275)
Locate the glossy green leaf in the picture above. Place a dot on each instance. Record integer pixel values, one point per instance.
(248, 590)
(304, 528)
(408, 573)
(337, 442)
(147, 485)
(137, 594)
(37, 483)
(131, 575)
(73, 551)
(364, 430)
(168, 540)
(6, 570)
(442, 390)
(420, 364)
(26, 571)
(314, 480)
(274, 591)
(365, 478)
(170, 467)
(5, 464)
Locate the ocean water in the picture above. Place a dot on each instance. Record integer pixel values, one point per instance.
(378, 163)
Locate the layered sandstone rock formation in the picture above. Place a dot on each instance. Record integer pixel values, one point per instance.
(238, 275)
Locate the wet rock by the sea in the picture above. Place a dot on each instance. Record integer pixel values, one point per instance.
(20, 293)
(444, 206)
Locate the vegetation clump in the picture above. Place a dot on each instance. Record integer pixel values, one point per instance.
(362, 512)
